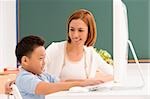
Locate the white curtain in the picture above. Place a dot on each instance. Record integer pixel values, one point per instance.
(8, 33)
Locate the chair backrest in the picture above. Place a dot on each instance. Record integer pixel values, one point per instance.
(15, 92)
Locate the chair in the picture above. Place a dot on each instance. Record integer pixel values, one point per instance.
(15, 92)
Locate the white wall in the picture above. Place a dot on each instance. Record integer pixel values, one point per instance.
(7, 33)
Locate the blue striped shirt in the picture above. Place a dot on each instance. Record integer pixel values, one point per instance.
(27, 82)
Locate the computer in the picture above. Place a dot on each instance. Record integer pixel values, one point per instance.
(120, 41)
(120, 47)
(121, 44)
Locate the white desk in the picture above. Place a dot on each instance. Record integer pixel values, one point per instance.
(143, 93)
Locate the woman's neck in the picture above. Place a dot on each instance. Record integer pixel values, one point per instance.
(74, 49)
(74, 53)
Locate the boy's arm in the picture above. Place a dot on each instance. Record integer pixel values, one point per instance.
(44, 88)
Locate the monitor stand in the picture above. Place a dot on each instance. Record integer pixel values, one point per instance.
(127, 85)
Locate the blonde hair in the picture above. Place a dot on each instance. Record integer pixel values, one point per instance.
(87, 17)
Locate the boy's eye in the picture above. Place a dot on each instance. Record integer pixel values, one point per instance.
(41, 58)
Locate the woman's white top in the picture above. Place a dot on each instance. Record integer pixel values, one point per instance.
(73, 70)
(55, 58)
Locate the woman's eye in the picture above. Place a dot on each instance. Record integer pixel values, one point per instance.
(81, 30)
(71, 29)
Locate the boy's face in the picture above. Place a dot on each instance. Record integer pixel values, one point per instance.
(36, 61)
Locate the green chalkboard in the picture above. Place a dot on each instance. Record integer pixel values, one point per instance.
(47, 18)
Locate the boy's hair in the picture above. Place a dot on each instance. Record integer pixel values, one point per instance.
(27, 45)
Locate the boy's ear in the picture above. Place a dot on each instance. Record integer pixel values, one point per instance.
(25, 60)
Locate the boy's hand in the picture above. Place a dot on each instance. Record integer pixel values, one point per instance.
(86, 82)
(8, 88)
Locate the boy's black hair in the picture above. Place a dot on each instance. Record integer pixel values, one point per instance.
(26, 46)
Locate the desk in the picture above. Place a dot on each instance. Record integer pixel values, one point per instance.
(143, 93)
(8, 75)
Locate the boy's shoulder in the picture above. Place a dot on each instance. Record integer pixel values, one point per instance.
(49, 77)
(23, 74)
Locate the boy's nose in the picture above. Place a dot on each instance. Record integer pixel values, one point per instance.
(43, 63)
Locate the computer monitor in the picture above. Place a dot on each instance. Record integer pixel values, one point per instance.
(120, 52)
(120, 41)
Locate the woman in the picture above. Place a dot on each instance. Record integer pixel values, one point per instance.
(76, 57)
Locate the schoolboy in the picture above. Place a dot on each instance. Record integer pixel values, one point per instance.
(32, 81)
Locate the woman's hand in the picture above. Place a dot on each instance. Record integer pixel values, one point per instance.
(8, 88)
(103, 76)
(90, 82)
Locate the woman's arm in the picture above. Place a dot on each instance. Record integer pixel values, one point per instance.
(103, 76)
(101, 64)
(104, 70)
